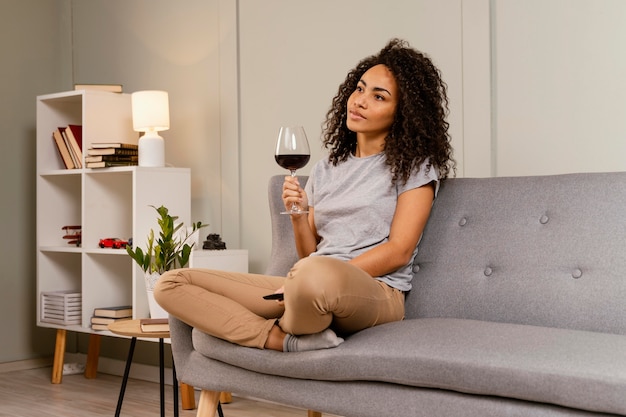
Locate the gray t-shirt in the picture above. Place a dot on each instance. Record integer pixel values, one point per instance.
(354, 205)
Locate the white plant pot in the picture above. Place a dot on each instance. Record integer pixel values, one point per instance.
(156, 311)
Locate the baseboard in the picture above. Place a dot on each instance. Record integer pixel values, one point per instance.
(137, 370)
(116, 367)
(26, 364)
(105, 365)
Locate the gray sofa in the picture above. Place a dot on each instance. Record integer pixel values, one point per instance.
(518, 308)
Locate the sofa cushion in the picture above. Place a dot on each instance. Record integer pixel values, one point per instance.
(571, 368)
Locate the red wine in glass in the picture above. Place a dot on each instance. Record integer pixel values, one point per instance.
(292, 153)
(292, 162)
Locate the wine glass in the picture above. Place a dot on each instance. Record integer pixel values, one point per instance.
(292, 153)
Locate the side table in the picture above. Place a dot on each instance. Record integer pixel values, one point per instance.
(132, 329)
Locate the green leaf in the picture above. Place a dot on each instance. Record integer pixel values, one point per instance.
(169, 250)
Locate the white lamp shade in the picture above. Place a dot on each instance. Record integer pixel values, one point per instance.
(151, 111)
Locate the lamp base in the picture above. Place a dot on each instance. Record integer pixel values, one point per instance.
(151, 150)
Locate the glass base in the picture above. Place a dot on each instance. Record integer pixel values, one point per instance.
(295, 212)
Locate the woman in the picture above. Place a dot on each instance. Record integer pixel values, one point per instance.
(368, 204)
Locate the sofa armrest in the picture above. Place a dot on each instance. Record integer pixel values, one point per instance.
(182, 344)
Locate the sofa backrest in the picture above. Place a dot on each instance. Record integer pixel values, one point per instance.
(283, 254)
(544, 250)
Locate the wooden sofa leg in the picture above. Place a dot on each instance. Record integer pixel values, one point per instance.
(188, 396)
(207, 405)
(312, 413)
(226, 397)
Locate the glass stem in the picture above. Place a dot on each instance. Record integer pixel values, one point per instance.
(294, 206)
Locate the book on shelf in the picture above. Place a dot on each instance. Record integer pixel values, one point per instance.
(114, 312)
(107, 320)
(116, 145)
(113, 88)
(64, 151)
(108, 164)
(112, 151)
(74, 135)
(115, 158)
(102, 323)
(69, 147)
(154, 325)
(66, 139)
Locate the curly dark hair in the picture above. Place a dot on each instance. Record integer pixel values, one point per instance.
(419, 131)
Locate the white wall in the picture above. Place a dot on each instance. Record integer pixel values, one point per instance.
(171, 46)
(536, 86)
(294, 55)
(560, 86)
(36, 59)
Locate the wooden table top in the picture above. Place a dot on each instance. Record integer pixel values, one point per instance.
(132, 328)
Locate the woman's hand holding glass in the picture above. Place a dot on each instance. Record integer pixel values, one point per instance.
(294, 194)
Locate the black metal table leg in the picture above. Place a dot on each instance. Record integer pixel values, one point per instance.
(161, 377)
(129, 360)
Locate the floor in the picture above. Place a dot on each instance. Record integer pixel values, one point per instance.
(29, 393)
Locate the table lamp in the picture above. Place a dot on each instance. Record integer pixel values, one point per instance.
(151, 114)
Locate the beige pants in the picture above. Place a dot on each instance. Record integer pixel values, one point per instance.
(320, 292)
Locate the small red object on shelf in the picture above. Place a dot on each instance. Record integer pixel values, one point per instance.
(73, 234)
(113, 242)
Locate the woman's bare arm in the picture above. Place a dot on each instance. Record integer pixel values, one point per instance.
(409, 220)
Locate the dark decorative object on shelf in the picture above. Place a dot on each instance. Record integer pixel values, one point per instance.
(214, 242)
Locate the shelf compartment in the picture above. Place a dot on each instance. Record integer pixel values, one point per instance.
(109, 280)
(108, 207)
(59, 205)
(59, 271)
(54, 111)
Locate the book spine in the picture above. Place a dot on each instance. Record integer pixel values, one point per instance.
(113, 88)
(112, 151)
(117, 145)
(63, 151)
(108, 164)
(75, 145)
(69, 147)
(112, 158)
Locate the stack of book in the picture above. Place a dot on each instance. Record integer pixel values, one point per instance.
(69, 143)
(112, 154)
(104, 316)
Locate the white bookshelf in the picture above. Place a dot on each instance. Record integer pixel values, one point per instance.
(107, 202)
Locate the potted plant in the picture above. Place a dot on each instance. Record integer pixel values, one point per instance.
(171, 249)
